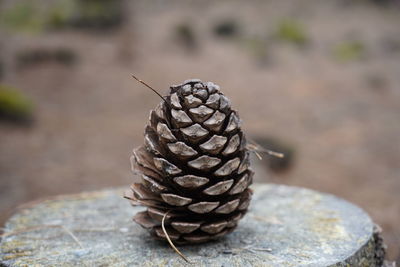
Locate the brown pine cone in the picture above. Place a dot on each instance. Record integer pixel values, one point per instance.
(194, 164)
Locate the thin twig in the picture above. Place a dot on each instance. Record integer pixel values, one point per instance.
(262, 249)
(257, 154)
(72, 235)
(275, 154)
(257, 148)
(151, 88)
(128, 198)
(169, 240)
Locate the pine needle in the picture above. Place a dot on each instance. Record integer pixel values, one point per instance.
(72, 235)
(257, 154)
(256, 148)
(275, 154)
(151, 88)
(169, 239)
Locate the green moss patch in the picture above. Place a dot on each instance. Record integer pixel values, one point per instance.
(349, 51)
(14, 106)
(291, 31)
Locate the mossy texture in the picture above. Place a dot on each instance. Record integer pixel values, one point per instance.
(349, 51)
(33, 17)
(14, 105)
(291, 31)
(22, 16)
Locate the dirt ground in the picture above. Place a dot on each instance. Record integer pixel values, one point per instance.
(340, 116)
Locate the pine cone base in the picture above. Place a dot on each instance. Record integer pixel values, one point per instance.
(194, 166)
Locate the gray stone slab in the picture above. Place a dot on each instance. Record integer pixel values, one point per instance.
(286, 226)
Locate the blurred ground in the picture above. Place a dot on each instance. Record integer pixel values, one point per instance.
(321, 77)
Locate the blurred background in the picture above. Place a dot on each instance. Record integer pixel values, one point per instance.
(317, 80)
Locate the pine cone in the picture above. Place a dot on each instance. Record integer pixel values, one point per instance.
(194, 164)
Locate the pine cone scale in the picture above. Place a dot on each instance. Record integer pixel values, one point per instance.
(191, 181)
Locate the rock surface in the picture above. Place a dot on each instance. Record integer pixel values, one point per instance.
(286, 226)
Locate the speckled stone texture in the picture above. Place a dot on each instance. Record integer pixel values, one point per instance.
(285, 226)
